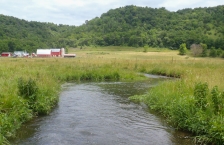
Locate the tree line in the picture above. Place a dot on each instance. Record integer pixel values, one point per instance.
(17, 34)
(140, 26)
(125, 26)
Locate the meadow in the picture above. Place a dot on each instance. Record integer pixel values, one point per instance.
(30, 87)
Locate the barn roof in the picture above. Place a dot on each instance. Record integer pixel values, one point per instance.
(6, 52)
(56, 50)
(44, 51)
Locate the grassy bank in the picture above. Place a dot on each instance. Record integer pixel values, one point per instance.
(194, 102)
(30, 86)
(44, 76)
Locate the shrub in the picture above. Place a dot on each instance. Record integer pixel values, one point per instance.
(219, 52)
(196, 49)
(204, 51)
(222, 54)
(216, 99)
(213, 52)
(146, 48)
(28, 90)
(183, 49)
(200, 94)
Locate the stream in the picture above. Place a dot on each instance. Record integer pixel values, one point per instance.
(100, 113)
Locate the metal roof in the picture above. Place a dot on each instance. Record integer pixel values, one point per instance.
(55, 50)
(44, 51)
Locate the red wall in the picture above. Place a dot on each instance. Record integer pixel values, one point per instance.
(55, 53)
(5, 54)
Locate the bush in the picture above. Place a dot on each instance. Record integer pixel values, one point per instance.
(146, 48)
(28, 90)
(183, 49)
(196, 49)
(213, 52)
(205, 50)
(219, 52)
(222, 54)
(200, 94)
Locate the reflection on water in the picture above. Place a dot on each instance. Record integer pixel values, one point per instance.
(100, 114)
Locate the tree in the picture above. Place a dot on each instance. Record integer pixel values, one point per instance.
(213, 52)
(196, 49)
(3, 46)
(222, 54)
(11, 46)
(146, 47)
(205, 50)
(219, 52)
(183, 49)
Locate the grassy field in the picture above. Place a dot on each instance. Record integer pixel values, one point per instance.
(30, 86)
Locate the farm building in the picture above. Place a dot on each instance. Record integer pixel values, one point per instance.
(56, 52)
(44, 53)
(6, 54)
(50, 52)
(21, 54)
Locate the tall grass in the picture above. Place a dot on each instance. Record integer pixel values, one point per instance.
(174, 99)
(194, 102)
(30, 86)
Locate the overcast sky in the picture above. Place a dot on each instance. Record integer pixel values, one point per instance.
(75, 12)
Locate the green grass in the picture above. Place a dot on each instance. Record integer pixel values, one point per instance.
(173, 99)
(47, 74)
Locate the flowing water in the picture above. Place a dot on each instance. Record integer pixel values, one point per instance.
(101, 114)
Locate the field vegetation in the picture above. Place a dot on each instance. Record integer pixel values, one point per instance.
(193, 101)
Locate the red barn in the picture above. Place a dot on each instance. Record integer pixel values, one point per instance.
(56, 52)
(6, 54)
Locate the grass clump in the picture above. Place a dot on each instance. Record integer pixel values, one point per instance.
(200, 93)
(28, 90)
(195, 109)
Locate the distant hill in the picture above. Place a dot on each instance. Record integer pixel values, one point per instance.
(17, 34)
(140, 26)
(129, 26)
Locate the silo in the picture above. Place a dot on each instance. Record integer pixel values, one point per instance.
(62, 52)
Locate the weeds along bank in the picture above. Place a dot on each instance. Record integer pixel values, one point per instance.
(30, 87)
(195, 101)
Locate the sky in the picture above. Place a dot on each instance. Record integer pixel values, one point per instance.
(76, 12)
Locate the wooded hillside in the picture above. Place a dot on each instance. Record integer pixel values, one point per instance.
(125, 26)
(16, 34)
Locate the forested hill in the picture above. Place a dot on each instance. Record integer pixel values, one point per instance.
(139, 26)
(129, 26)
(17, 34)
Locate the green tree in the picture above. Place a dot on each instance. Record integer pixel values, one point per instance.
(3, 46)
(205, 50)
(12, 46)
(183, 49)
(146, 47)
(213, 52)
(222, 54)
(219, 52)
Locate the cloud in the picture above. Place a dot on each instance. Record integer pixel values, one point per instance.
(178, 4)
(175, 5)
